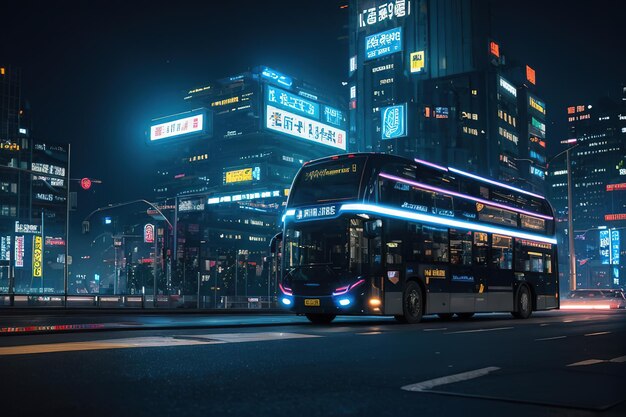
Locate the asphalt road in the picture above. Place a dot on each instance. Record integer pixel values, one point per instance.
(556, 363)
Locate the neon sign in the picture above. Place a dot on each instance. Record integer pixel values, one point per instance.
(281, 98)
(386, 11)
(188, 125)
(393, 121)
(383, 43)
(277, 77)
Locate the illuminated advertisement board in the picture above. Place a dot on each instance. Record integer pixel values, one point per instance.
(614, 217)
(276, 77)
(616, 187)
(333, 116)
(393, 121)
(383, 43)
(5, 248)
(37, 257)
(148, 233)
(196, 204)
(242, 175)
(301, 127)
(507, 86)
(417, 61)
(384, 11)
(605, 243)
(283, 99)
(27, 228)
(19, 251)
(185, 124)
(615, 247)
(537, 104)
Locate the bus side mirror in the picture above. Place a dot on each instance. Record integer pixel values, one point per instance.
(372, 228)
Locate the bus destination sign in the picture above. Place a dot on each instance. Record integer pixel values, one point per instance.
(312, 213)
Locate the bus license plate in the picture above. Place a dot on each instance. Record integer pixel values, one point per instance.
(312, 302)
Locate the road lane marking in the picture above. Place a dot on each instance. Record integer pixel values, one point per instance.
(481, 330)
(450, 379)
(550, 338)
(369, 333)
(436, 330)
(597, 333)
(619, 359)
(543, 324)
(144, 342)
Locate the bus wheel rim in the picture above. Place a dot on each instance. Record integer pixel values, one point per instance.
(413, 303)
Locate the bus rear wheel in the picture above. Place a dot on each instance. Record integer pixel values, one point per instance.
(320, 318)
(412, 304)
(523, 303)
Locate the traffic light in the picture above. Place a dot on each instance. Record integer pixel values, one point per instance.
(85, 226)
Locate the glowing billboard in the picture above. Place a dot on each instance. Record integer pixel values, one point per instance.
(393, 121)
(383, 43)
(291, 124)
(37, 257)
(242, 175)
(183, 125)
(281, 98)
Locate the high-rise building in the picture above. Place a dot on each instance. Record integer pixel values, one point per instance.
(33, 197)
(598, 164)
(427, 80)
(224, 172)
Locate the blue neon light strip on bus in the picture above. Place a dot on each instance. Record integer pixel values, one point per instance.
(476, 177)
(468, 197)
(437, 220)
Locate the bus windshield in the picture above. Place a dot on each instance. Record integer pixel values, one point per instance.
(331, 181)
(312, 252)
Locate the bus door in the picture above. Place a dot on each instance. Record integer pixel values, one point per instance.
(393, 266)
(480, 257)
(274, 273)
(463, 279)
(500, 279)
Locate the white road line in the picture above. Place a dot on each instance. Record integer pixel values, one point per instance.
(369, 333)
(481, 330)
(543, 324)
(597, 333)
(436, 330)
(619, 359)
(152, 341)
(464, 376)
(568, 321)
(550, 338)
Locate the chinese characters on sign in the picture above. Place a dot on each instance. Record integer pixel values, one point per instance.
(37, 257)
(383, 43)
(288, 101)
(304, 128)
(186, 125)
(388, 10)
(242, 175)
(19, 251)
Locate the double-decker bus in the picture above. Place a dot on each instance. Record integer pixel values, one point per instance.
(378, 234)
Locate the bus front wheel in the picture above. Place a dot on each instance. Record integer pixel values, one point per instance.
(320, 318)
(523, 303)
(412, 304)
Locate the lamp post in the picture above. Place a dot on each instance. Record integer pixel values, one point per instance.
(570, 211)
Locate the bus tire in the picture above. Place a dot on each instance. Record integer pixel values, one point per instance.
(412, 303)
(321, 318)
(523, 303)
(465, 316)
(445, 316)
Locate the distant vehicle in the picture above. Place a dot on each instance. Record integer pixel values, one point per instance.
(382, 235)
(594, 299)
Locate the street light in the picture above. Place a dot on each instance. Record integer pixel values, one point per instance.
(570, 222)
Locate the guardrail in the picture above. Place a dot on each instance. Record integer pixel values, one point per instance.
(137, 301)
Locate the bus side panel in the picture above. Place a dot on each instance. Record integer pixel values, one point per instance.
(393, 303)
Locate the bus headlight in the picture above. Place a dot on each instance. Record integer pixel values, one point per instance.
(286, 301)
(344, 302)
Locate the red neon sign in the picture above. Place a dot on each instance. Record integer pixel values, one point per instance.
(85, 183)
(614, 217)
(494, 48)
(616, 187)
(148, 233)
(530, 75)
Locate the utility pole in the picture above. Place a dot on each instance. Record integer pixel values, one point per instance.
(570, 226)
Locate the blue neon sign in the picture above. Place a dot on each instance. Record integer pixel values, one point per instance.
(383, 43)
(281, 98)
(333, 116)
(615, 247)
(605, 243)
(276, 77)
(393, 121)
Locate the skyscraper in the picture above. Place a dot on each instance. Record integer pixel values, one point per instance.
(428, 80)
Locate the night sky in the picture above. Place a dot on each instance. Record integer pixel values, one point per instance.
(96, 72)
